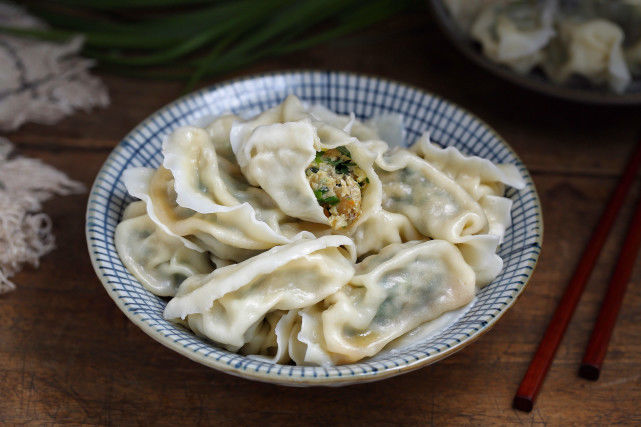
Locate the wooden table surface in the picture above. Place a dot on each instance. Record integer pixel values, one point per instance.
(67, 353)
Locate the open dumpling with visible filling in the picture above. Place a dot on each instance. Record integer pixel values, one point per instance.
(325, 183)
(255, 227)
(337, 183)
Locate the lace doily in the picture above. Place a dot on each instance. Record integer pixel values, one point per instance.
(25, 232)
(42, 81)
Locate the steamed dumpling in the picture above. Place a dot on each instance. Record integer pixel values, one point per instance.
(275, 157)
(225, 304)
(515, 34)
(483, 180)
(391, 293)
(312, 170)
(594, 39)
(161, 262)
(434, 203)
(479, 176)
(592, 49)
(232, 235)
(254, 227)
(208, 183)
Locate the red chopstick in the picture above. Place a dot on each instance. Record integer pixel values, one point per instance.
(598, 345)
(531, 383)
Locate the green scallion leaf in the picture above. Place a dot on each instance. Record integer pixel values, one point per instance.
(332, 200)
(192, 39)
(319, 194)
(342, 168)
(344, 151)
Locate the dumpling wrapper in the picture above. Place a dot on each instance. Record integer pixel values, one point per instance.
(391, 293)
(483, 180)
(232, 235)
(275, 156)
(592, 49)
(387, 127)
(478, 176)
(159, 261)
(226, 303)
(435, 204)
(508, 42)
(208, 183)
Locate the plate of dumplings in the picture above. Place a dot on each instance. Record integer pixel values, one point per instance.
(314, 227)
(587, 51)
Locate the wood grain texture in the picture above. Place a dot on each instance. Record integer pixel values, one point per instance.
(68, 355)
(530, 386)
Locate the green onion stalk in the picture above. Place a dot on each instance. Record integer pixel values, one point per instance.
(189, 40)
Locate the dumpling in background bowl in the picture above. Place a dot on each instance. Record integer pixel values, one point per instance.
(592, 49)
(515, 34)
(579, 50)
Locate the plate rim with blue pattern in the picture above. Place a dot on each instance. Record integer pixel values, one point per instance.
(342, 92)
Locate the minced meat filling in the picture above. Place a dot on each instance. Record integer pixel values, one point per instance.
(337, 183)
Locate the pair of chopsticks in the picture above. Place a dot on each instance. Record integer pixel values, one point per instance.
(597, 347)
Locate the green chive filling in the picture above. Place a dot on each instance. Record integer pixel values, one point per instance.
(337, 182)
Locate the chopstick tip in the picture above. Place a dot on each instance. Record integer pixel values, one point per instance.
(523, 403)
(589, 372)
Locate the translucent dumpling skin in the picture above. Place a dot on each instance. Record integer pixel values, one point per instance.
(299, 236)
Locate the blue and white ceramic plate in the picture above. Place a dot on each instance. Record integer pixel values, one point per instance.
(342, 93)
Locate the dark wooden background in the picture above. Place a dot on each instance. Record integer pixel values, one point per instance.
(68, 355)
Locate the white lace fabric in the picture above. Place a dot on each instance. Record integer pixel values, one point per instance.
(42, 81)
(25, 231)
